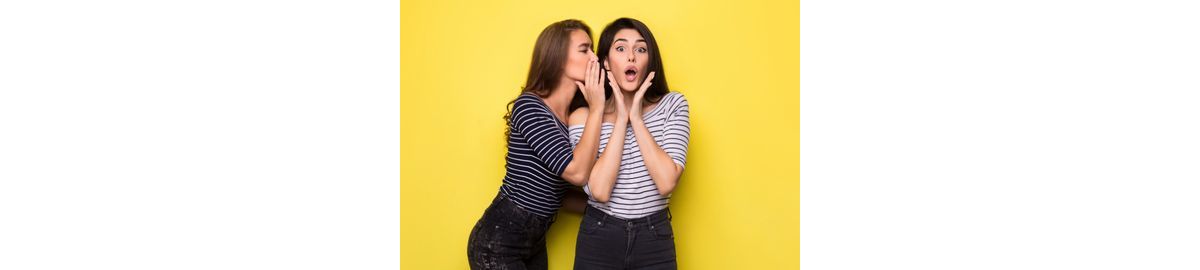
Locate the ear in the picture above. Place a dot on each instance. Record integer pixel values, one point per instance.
(605, 63)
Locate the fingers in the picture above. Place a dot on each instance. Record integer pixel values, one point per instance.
(642, 91)
(595, 76)
(612, 81)
(581, 88)
(645, 85)
(617, 94)
(649, 78)
(587, 77)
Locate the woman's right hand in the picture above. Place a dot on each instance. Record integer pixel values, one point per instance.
(593, 86)
(622, 110)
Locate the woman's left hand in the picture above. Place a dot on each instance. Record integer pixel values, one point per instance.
(618, 99)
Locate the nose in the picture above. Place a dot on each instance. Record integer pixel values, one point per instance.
(630, 57)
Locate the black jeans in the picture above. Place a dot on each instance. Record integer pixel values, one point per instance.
(608, 242)
(508, 237)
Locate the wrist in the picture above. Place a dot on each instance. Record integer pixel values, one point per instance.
(595, 112)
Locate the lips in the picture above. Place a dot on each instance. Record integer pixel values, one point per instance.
(630, 73)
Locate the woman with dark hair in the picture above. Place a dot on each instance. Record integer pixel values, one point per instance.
(541, 164)
(643, 147)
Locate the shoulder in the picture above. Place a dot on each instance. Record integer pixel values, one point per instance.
(674, 101)
(527, 99)
(578, 117)
(527, 104)
(677, 96)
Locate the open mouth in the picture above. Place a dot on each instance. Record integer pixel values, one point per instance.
(630, 74)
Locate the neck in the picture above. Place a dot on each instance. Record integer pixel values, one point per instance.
(628, 98)
(625, 96)
(560, 98)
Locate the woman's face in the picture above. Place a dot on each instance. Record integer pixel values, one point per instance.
(628, 58)
(579, 54)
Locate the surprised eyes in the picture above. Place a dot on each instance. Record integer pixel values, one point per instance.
(638, 49)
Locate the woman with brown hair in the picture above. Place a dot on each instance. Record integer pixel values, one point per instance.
(540, 163)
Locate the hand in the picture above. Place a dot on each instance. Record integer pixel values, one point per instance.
(636, 110)
(619, 98)
(593, 86)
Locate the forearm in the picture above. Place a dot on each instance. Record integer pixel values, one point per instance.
(661, 168)
(604, 174)
(578, 171)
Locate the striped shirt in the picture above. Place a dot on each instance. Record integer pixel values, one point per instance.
(635, 194)
(538, 152)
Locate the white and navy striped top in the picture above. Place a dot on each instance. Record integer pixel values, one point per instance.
(635, 194)
(538, 152)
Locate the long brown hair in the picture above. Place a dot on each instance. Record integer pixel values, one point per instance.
(549, 61)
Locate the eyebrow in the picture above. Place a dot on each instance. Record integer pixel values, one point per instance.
(585, 44)
(621, 39)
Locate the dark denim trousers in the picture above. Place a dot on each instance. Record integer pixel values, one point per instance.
(508, 237)
(608, 242)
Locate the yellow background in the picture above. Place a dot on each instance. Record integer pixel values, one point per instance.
(737, 62)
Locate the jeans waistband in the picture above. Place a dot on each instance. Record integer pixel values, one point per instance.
(656, 218)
